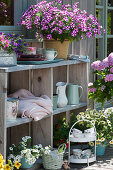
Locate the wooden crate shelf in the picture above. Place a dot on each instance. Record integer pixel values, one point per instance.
(38, 79)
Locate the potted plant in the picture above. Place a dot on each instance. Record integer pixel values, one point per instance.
(101, 120)
(60, 133)
(64, 23)
(11, 46)
(24, 152)
(53, 158)
(9, 165)
(102, 88)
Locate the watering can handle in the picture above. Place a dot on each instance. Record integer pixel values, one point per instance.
(57, 90)
(81, 91)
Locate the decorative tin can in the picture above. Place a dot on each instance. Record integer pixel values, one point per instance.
(12, 108)
(7, 59)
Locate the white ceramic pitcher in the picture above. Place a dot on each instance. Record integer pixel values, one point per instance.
(61, 91)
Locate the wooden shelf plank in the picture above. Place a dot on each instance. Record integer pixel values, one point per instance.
(18, 121)
(27, 67)
(69, 107)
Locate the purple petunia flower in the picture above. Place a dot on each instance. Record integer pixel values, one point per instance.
(49, 36)
(59, 1)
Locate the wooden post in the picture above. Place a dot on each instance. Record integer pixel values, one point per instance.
(3, 100)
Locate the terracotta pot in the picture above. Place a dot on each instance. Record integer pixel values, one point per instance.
(61, 48)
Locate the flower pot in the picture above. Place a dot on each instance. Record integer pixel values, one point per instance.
(100, 148)
(7, 59)
(61, 48)
(25, 164)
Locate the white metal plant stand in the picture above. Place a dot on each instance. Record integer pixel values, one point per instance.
(82, 138)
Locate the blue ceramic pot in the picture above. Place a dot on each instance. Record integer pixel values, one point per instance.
(100, 148)
(25, 164)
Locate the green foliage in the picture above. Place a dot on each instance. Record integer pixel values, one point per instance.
(82, 125)
(102, 120)
(60, 132)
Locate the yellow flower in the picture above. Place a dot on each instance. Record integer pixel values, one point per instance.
(81, 123)
(108, 121)
(88, 125)
(81, 113)
(1, 157)
(103, 122)
(91, 112)
(102, 139)
(87, 116)
(98, 141)
(17, 164)
(111, 142)
(91, 143)
(78, 117)
(2, 160)
(1, 166)
(9, 161)
(93, 122)
(101, 134)
(96, 114)
(7, 167)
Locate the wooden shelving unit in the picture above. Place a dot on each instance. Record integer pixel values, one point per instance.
(39, 79)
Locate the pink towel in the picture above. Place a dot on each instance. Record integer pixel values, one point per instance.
(31, 106)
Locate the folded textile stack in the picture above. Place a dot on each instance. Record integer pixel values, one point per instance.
(31, 106)
(31, 57)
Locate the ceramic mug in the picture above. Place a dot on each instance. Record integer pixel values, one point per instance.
(50, 54)
(31, 50)
(73, 93)
(77, 153)
(90, 130)
(40, 51)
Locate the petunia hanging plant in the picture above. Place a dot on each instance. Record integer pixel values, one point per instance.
(102, 88)
(52, 20)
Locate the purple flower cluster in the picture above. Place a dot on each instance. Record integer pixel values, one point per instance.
(52, 19)
(12, 43)
(109, 77)
(102, 88)
(105, 66)
(90, 88)
(3, 8)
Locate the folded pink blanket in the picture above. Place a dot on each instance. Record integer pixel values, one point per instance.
(31, 106)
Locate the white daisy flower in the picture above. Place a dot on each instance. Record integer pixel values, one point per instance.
(10, 148)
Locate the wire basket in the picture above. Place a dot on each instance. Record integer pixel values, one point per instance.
(54, 159)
